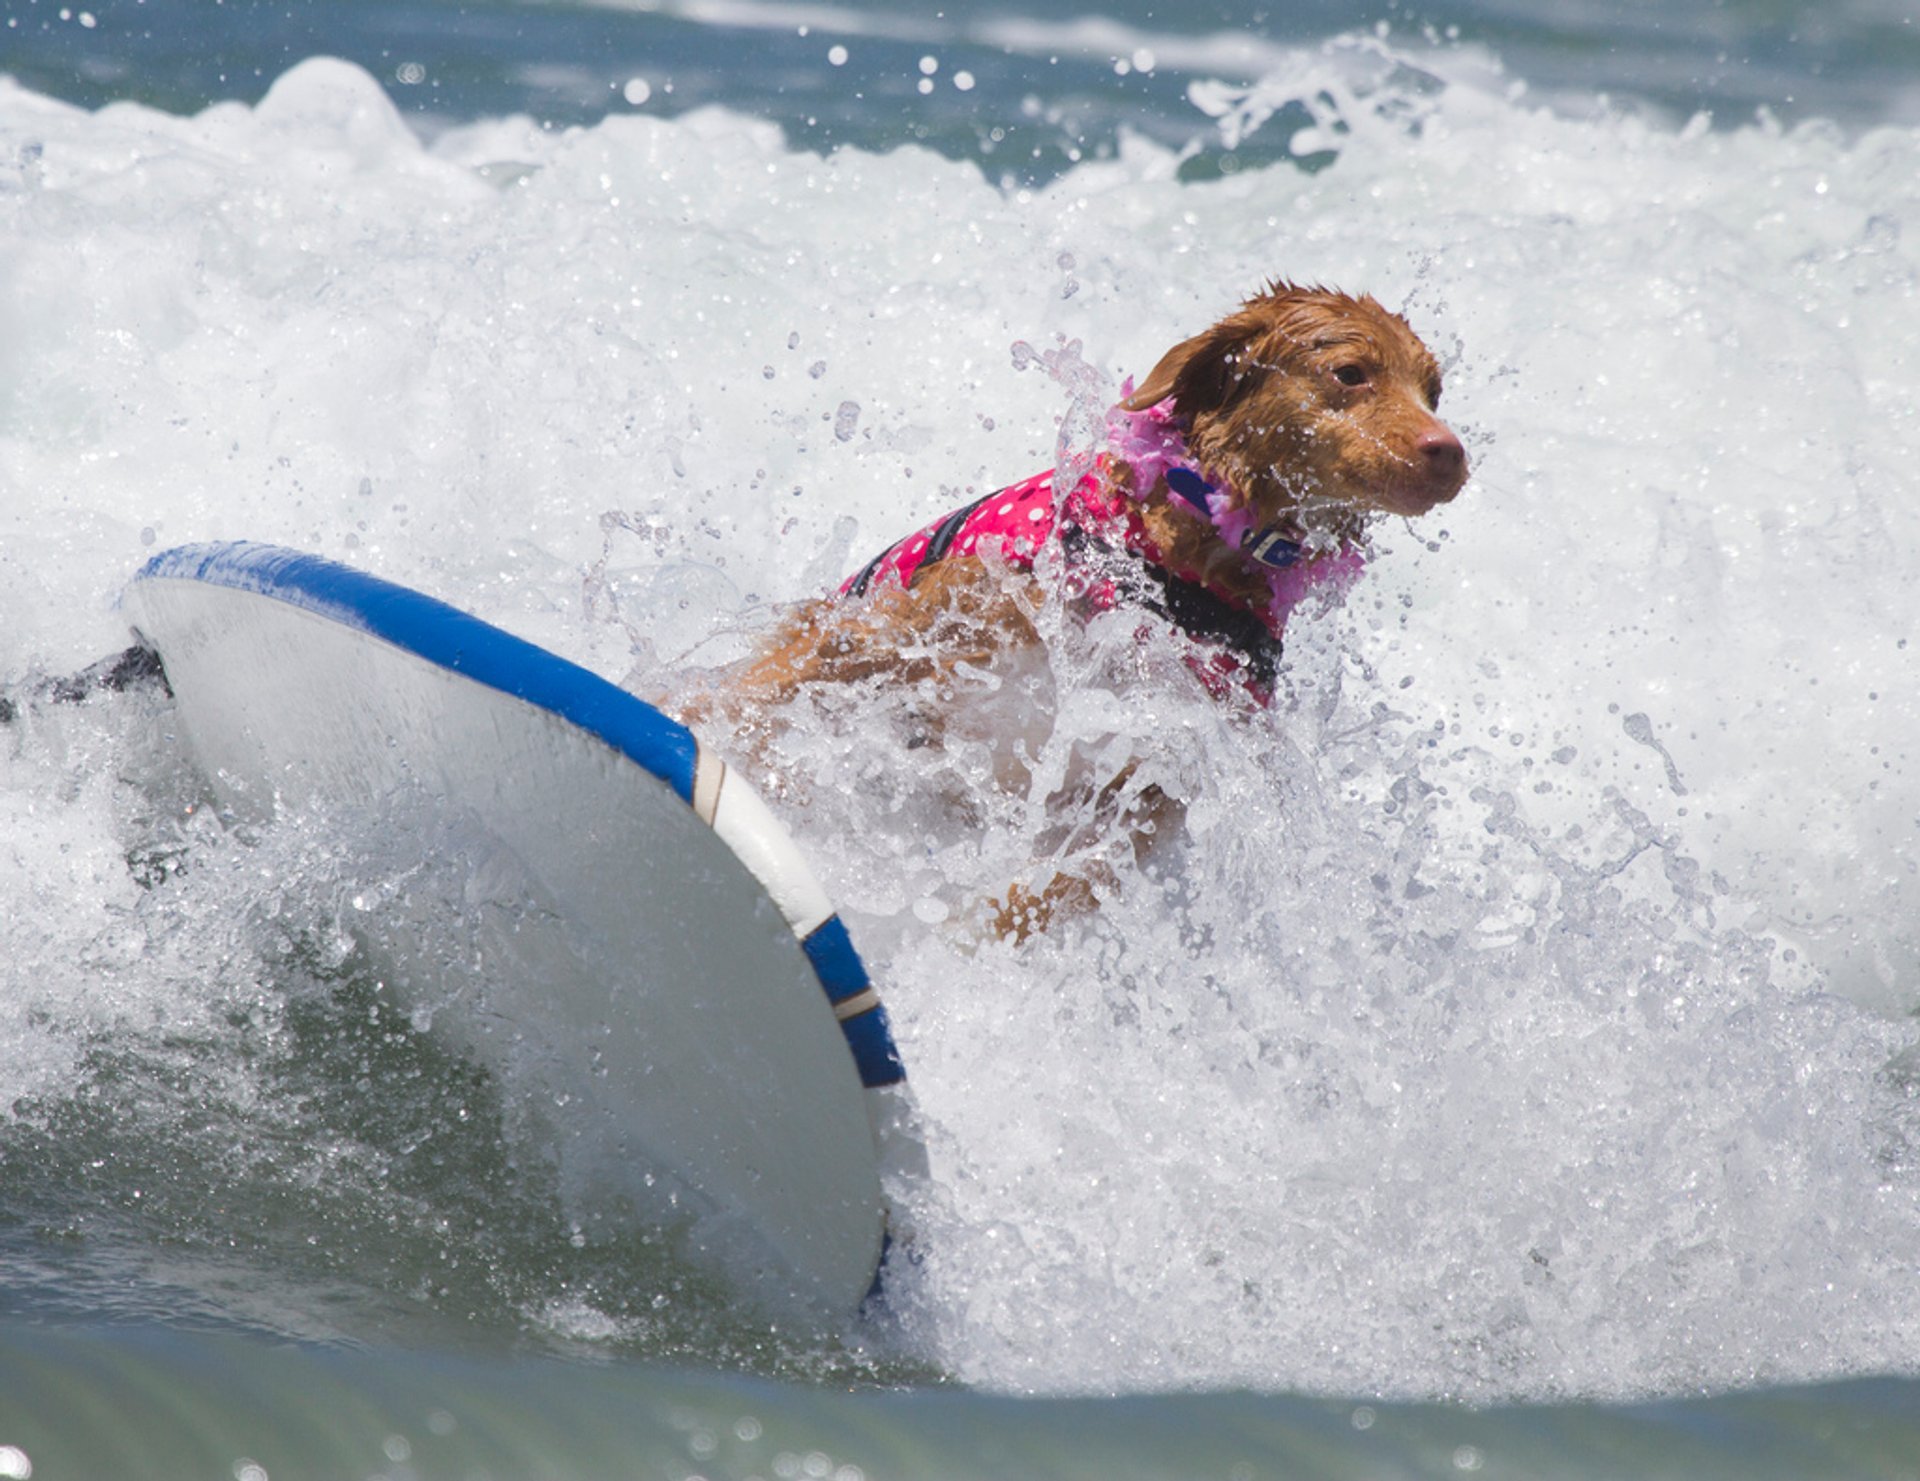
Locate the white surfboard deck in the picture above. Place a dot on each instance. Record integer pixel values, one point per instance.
(660, 970)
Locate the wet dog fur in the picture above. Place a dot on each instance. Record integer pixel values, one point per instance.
(1310, 409)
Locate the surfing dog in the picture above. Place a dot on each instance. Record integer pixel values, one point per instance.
(1238, 480)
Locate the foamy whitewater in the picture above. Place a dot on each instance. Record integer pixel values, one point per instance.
(1532, 1012)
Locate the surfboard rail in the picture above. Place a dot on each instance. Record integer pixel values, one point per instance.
(228, 656)
(655, 742)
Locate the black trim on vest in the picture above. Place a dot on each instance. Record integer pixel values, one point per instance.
(1197, 612)
(938, 543)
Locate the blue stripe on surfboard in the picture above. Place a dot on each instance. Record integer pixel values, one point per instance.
(870, 1037)
(448, 637)
(458, 641)
(835, 962)
(843, 975)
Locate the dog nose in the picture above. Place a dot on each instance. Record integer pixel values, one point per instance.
(1444, 457)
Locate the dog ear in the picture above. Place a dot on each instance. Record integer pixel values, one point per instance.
(1200, 374)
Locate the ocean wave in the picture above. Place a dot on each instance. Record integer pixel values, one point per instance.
(1529, 1022)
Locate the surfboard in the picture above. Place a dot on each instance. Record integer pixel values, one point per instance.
(567, 882)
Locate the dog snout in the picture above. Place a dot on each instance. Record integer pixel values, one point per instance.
(1444, 458)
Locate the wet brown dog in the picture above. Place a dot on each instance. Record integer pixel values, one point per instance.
(1239, 477)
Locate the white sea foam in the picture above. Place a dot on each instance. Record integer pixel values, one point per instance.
(1518, 1023)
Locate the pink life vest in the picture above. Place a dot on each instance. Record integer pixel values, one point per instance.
(1096, 526)
(1016, 522)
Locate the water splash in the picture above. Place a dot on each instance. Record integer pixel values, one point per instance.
(1458, 1049)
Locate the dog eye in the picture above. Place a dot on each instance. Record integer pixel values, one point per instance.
(1350, 375)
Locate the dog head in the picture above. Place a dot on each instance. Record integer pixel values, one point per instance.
(1314, 407)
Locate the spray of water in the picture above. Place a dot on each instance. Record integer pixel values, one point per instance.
(1523, 1008)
